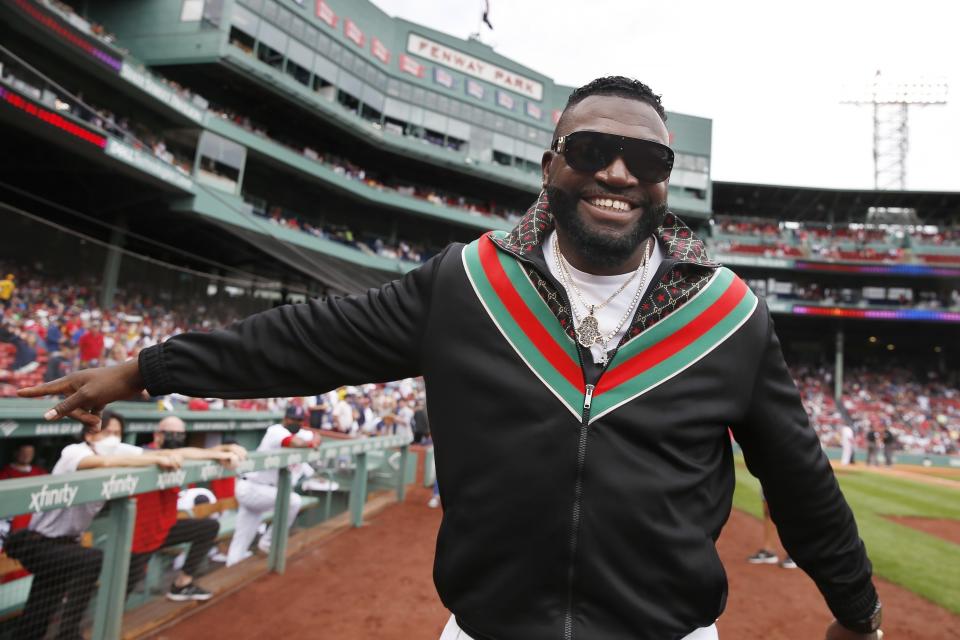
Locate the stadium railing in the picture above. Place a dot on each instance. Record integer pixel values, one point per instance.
(116, 486)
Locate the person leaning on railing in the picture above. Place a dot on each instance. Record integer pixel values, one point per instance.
(157, 525)
(50, 547)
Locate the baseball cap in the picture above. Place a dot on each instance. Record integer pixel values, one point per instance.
(294, 412)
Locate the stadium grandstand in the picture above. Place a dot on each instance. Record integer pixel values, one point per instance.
(172, 166)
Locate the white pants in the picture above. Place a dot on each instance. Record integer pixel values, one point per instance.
(453, 632)
(256, 499)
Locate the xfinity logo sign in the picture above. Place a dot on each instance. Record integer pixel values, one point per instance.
(47, 498)
(171, 479)
(246, 466)
(114, 486)
(8, 427)
(209, 471)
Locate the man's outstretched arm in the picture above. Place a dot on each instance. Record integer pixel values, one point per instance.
(291, 350)
(815, 524)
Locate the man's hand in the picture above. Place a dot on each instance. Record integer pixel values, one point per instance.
(229, 460)
(89, 391)
(837, 631)
(235, 449)
(168, 460)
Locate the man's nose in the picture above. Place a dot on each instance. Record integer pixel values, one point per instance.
(616, 174)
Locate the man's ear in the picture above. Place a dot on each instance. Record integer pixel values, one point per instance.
(545, 162)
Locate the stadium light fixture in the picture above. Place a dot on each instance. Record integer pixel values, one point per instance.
(891, 98)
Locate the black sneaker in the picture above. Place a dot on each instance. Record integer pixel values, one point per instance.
(763, 557)
(188, 592)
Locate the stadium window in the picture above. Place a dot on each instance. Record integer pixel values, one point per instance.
(298, 73)
(393, 88)
(370, 114)
(502, 158)
(434, 137)
(212, 13)
(323, 43)
(394, 125)
(284, 19)
(431, 100)
(526, 165)
(406, 92)
(336, 51)
(297, 27)
(270, 10)
(242, 41)
(348, 101)
(443, 104)
(319, 82)
(311, 36)
(269, 55)
(455, 143)
(419, 96)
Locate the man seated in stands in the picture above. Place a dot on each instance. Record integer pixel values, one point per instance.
(21, 466)
(157, 525)
(257, 492)
(50, 548)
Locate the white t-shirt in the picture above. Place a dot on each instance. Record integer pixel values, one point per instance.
(596, 289)
(72, 521)
(343, 414)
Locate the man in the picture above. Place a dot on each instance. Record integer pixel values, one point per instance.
(157, 525)
(345, 414)
(257, 492)
(873, 446)
(7, 287)
(767, 554)
(60, 362)
(91, 345)
(889, 445)
(21, 467)
(421, 424)
(584, 370)
(847, 439)
(50, 548)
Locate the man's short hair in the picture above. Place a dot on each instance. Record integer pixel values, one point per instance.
(619, 86)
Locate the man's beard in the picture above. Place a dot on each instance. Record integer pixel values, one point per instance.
(602, 249)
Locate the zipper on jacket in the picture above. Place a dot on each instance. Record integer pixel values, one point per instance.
(575, 515)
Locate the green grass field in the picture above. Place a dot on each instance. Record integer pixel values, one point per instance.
(927, 565)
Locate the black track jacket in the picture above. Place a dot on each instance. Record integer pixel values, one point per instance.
(578, 503)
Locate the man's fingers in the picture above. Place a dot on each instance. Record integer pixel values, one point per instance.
(88, 418)
(54, 387)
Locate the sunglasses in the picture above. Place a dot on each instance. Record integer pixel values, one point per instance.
(591, 151)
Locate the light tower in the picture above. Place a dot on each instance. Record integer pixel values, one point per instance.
(891, 100)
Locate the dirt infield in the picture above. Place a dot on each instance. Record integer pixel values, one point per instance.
(375, 583)
(949, 530)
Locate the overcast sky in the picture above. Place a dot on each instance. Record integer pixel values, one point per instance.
(769, 74)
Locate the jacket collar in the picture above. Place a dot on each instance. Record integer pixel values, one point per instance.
(676, 239)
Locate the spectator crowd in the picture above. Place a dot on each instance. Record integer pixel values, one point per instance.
(846, 242)
(920, 413)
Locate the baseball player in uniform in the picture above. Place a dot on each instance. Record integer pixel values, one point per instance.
(257, 491)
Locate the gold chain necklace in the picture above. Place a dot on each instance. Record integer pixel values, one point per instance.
(588, 328)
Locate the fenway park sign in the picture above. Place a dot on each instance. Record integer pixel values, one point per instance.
(455, 59)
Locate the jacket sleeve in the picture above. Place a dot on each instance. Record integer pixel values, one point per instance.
(815, 523)
(301, 349)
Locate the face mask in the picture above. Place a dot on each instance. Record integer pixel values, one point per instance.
(107, 445)
(174, 439)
